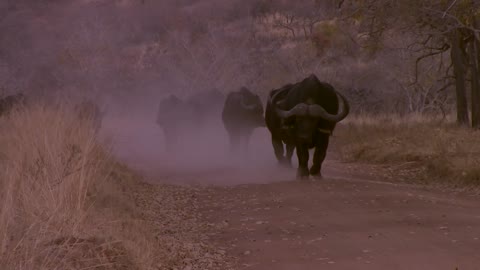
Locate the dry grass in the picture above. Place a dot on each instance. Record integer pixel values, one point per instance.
(66, 204)
(436, 149)
(52, 169)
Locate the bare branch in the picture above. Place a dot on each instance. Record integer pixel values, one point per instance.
(448, 9)
(460, 24)
(442, 50)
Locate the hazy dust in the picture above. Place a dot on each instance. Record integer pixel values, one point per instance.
(202, 157)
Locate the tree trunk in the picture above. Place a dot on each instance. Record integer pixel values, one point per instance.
(459, 70)
(474, 56)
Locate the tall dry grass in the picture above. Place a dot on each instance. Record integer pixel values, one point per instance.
(52, 175)
(65, 203)
(436, 148)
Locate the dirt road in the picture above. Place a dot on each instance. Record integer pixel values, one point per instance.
(344, 223)
(268, 220)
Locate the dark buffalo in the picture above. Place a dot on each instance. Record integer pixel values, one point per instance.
(90, 111)
(303, 116)
(9, 103)
(173, 116)
(242, 113)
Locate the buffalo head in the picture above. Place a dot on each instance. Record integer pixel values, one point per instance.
(305, 116)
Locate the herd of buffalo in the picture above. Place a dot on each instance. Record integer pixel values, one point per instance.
(299, 116)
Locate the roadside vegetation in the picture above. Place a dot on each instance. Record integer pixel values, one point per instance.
(65, 203)
(410, 70)
(432, 150)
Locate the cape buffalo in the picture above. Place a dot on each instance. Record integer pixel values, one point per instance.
(303, 116)
(242, 113)
(89, 110)
(173, 116)
(8, 103)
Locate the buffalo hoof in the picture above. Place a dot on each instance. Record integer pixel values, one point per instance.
(317, 176)
(315, 170)
(302, 174)
(286, 163)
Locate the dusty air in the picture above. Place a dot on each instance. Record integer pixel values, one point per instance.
(241, 134)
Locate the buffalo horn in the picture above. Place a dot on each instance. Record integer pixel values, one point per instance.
(299, 110)
(318, 111)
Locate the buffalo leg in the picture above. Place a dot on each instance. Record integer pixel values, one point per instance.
(288, 157)
(242, 146)
(278, 149)
(234, 142)
(302, 154)
(170, 140)
(319, 155)
(245, 139)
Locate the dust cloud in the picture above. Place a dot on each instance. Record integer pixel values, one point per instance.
(202, 155)
(127, 55)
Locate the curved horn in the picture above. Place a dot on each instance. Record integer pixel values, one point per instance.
(299, 110)
(318, 111)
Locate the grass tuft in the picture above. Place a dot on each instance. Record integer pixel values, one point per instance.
(443, 151)
(52, 175)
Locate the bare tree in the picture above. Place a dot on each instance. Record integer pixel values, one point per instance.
(475, 73)
(440, 26)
